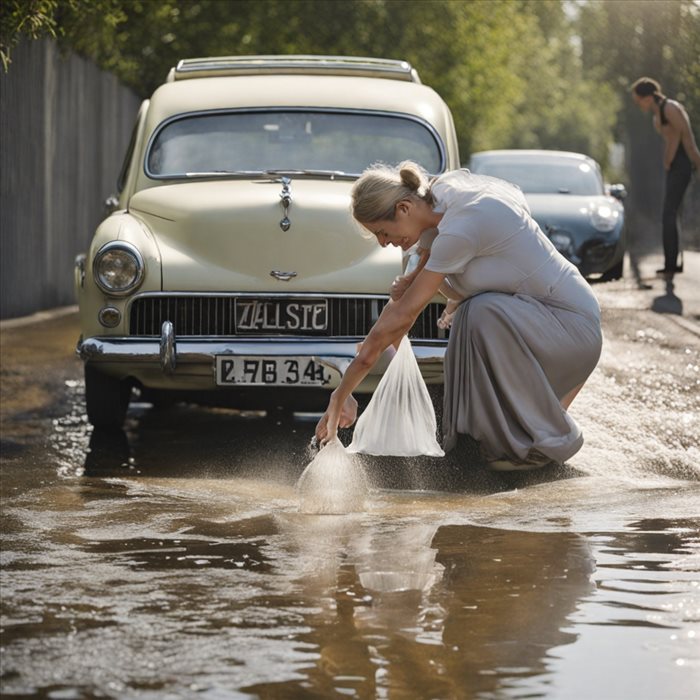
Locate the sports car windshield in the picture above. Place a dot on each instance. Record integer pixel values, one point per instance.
(295, 140)
(544, 176)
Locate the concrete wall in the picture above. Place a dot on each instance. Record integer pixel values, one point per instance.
(64, 128)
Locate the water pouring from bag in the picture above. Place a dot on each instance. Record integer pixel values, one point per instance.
(333, 483)
(399, 420)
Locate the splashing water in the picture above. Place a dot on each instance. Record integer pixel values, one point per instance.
(333, 483)
(640, 420)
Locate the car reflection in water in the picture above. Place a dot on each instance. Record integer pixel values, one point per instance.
(584, 219)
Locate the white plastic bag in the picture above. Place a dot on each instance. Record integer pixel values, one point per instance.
(400, 418)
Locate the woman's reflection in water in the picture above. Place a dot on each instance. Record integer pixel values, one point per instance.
(405, 609)
(427, 611)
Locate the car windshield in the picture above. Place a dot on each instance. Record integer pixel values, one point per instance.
(543, 176)
(340, 142)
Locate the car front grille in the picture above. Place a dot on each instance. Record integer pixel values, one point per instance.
(214, 315)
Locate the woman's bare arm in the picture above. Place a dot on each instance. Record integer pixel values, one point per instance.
(394, 322)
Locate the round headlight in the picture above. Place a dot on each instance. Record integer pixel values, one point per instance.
(604, 218)
(118, 268)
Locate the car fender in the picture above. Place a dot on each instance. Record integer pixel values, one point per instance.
(120, 226)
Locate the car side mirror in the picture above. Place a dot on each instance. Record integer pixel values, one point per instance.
(618, 191)
(111, 204)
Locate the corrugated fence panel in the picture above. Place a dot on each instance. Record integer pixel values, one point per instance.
(64, 128)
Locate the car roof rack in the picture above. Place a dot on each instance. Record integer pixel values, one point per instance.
(293, 64)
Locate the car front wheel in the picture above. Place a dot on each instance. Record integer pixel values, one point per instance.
(106, 398)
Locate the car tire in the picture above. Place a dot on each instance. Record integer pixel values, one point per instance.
(160, 399)
(614, 273)
(106, 398)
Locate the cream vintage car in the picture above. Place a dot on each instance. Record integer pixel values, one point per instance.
(231, 272)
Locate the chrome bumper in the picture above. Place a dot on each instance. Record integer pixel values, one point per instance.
(171, 357)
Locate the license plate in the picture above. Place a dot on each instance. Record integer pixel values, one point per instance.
(270, 371)
(253, 315)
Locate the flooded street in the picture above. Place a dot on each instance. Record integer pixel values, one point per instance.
(171, 560)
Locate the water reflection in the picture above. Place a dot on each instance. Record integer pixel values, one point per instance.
(224, 587)
(108, 454)
(196, 561)
(432, 611)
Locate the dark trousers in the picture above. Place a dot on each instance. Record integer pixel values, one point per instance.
(677, 180)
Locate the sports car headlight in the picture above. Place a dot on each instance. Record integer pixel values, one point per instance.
(118, 268)
(604, 218)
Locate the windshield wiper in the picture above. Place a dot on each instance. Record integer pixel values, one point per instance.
(222, 173)
(311, 172)
(272, 173)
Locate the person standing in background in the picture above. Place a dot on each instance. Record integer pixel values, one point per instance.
(680, 154)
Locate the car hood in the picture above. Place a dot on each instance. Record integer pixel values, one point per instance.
(227, 235)
(559, 209)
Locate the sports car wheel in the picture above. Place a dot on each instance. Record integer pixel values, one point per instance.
(106, 398)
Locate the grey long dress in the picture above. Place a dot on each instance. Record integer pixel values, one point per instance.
(528, 332)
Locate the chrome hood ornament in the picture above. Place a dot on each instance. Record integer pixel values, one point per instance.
(286, 197)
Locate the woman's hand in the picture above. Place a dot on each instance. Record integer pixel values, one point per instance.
(334, 417)
(399, 286)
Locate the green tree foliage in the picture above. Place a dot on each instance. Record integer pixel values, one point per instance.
(504, 66)
(89, 23)
(563, 108)
(621, 41)
(516, 73)
(31, 18)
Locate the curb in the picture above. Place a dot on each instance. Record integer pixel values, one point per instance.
(38, 317)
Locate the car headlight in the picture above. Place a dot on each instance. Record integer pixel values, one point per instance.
(118, 268)
(604, 218)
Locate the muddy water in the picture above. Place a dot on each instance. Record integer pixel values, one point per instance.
(171, 560)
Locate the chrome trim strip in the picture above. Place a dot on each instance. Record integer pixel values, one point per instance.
(305, 63)
(333, 353)
(261, 294)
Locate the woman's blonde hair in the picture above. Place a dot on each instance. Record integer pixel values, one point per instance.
(381, 187)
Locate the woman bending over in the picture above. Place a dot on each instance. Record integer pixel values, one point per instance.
(522, 343)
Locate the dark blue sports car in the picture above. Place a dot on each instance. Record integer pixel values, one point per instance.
(584, 220)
